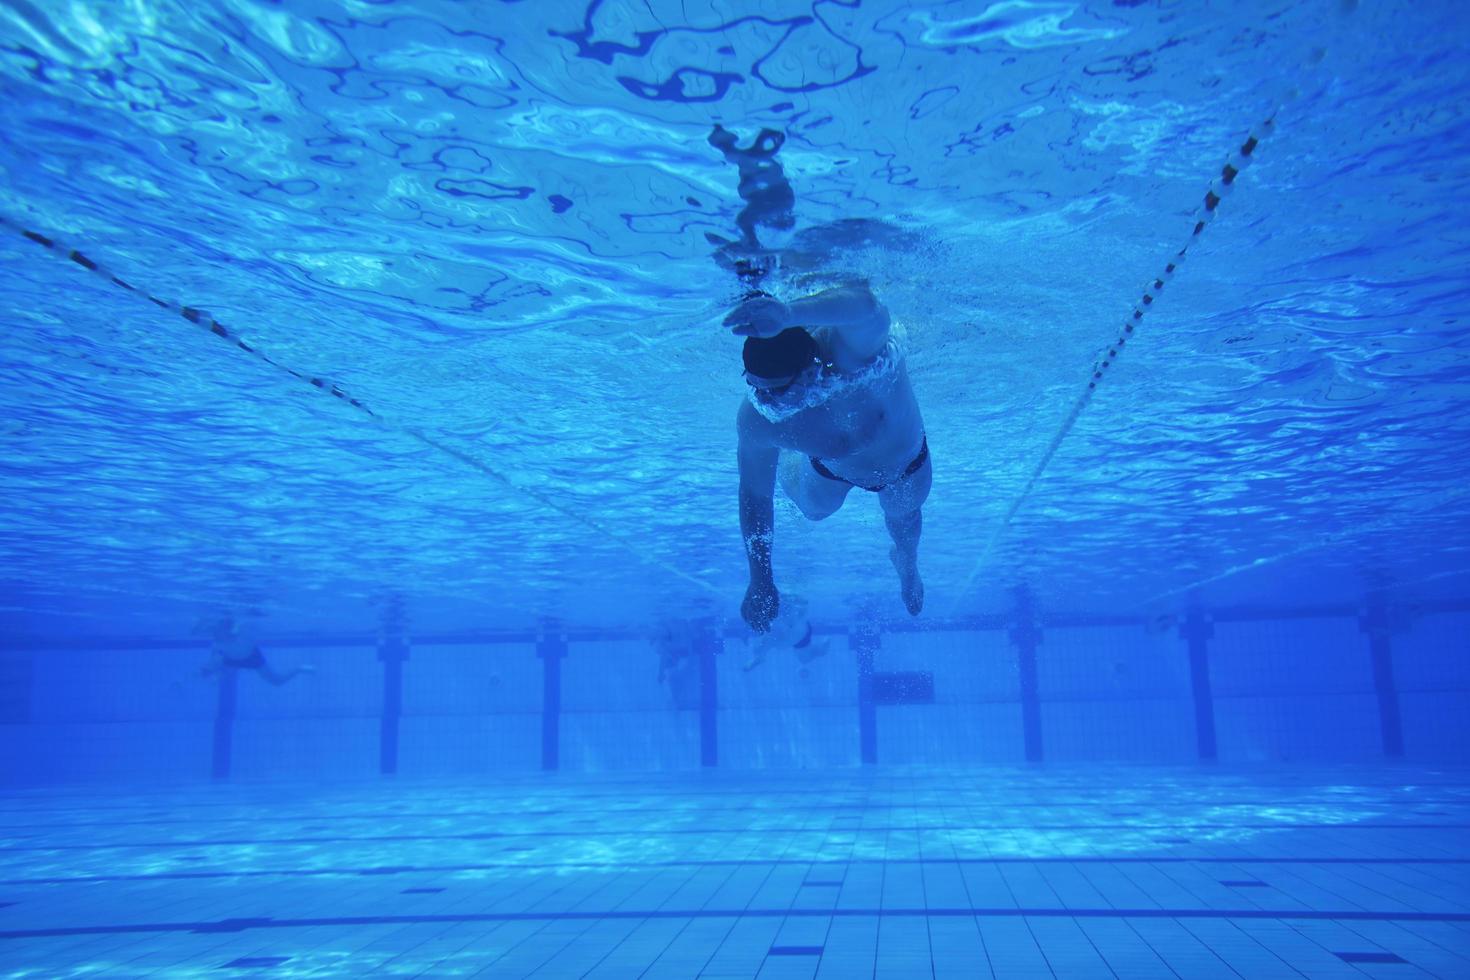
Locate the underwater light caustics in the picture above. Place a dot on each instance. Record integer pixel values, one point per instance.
(1218, 190)
(200, 318)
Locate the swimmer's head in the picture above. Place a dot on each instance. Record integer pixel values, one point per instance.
(772, 363)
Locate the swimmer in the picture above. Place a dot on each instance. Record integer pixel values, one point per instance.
(792, 630)
(826, 383)
(1162, 623)
(232, 647)
(673, 641)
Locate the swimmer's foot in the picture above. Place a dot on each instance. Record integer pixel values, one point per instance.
(811, 652)
(909, 581)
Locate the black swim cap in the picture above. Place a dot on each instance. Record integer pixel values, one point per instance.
(785, 355)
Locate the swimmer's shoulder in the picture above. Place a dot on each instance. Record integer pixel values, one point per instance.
(751, 426)
(876, 342)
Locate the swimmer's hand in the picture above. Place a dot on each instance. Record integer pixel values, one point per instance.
(761, 606)
(759, 316)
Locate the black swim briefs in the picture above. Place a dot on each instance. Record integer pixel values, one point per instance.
(909, 470)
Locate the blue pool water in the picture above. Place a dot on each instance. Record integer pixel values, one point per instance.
(392, 329)
(488, 225)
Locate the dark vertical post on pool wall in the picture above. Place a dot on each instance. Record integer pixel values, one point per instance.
(1196, 630)
(551, 647)
(1378, 622)
(392, 652)
(708, 645)
(1026, 637)
(865, 641)
(224, 722)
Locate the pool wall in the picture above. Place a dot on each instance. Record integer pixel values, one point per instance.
(1320, 685)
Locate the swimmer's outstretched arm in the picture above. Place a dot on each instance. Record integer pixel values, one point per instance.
(857, 320)
(852, 313)
(758, 459)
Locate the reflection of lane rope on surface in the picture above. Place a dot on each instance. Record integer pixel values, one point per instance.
(1323, 540)
(202, 319)
(1218, 190)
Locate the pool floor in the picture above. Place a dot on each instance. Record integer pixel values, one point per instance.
(1086, 872)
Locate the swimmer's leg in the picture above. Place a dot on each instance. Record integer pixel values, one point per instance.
(279, 677)
(814, 494)
(902, 513)
(905, 530)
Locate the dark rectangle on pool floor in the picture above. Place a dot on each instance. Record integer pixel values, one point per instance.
(246, 962)
(1370, 958)
(421, 891)
(796, 951)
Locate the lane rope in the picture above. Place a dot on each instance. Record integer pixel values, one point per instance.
(1324, 540)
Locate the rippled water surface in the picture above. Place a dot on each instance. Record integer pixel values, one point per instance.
(487, 223)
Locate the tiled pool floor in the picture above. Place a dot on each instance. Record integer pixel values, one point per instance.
(1098, 872)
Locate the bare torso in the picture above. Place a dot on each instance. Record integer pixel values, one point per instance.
(866, 432)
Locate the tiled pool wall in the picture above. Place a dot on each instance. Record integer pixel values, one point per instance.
(1319, 686)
